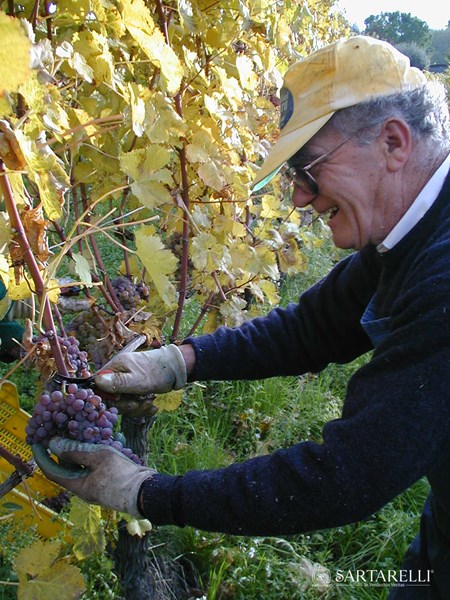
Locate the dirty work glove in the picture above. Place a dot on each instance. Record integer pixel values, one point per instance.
(107, 477)
(150, 372)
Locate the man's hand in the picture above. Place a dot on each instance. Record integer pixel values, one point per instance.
(96, 473)
(149, 372)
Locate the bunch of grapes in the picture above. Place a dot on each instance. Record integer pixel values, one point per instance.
(57, 503)
(90, 332)
(76, 358)
(76, 413)
(128, 293)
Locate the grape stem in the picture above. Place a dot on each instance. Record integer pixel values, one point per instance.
(21, 239)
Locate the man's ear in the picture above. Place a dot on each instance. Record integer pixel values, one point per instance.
(397, 143)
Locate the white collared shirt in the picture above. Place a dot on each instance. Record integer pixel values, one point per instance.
(417, 209)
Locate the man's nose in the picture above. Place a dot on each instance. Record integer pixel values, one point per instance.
(301, 198)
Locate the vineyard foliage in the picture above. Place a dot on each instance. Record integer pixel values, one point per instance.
(146, 122)
(142, 125)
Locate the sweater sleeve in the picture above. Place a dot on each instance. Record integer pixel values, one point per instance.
(322, 327)
(393, 431)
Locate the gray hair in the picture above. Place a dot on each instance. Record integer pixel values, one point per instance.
(425, 109)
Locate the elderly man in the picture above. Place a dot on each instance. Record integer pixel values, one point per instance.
(365, 140)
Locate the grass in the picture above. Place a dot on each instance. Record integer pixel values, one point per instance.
(222, 422)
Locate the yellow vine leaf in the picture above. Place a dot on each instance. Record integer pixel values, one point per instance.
(94, 48)
(270, 291)
(5, 304)
(232, 310)
(170, 401)
(211, 174)
(139, 22)
(87, 530)
(137, 108)
(147, 166)
(16, 183)
(4, 270)
(159, 263)
(53, 291)
(19, 291)
(262, 261)
(208, 254)
(270, 207)
(13, 72)
(212, 321)
(162, 123)
(82, 268)
(43, 575)
(134, 265)
(292, 260)
(247, 76)
(5, 231)
(46, 170)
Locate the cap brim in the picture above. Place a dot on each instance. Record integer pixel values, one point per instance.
(285, 147)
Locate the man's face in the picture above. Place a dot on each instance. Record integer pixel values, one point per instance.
(353, 183)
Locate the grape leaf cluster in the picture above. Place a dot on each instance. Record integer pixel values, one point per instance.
(76, 413)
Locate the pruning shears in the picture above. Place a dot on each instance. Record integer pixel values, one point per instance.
(89, 382)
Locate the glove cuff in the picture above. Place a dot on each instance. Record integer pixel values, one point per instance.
(130, 504)
(177, 363)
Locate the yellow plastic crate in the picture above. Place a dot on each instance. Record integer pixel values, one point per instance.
(13, 421)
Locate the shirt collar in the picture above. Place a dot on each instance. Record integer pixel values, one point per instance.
(417, 209)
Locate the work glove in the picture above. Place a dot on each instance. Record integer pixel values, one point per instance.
(142, 373)
(96, 473)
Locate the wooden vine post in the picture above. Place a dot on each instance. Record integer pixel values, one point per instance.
(131, 555)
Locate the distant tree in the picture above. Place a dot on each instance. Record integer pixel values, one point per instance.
(397, 27)
(440, 46)
(418, 56)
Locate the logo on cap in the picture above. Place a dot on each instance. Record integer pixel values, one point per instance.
(286, 107)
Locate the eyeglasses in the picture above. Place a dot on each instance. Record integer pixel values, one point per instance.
(302, 178)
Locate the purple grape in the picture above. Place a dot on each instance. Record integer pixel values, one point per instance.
(56, 396)
(44, 399)
(61, 418)
(88, 434)
(82, 394)
(41, 433)
(78, 404)
(106, 433)
(73, 426)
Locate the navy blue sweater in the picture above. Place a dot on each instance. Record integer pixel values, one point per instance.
(395, 423)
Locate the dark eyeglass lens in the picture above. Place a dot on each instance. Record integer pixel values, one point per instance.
(303, 180)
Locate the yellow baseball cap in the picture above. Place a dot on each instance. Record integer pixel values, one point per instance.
(340, 75)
